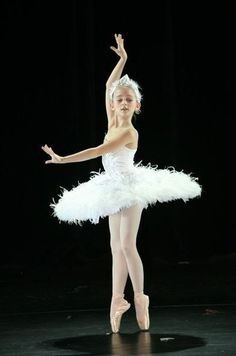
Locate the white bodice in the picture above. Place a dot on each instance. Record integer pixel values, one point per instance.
(119, 162)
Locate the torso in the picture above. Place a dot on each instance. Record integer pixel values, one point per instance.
(113, 132)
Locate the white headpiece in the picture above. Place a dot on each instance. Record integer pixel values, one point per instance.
(125, 81)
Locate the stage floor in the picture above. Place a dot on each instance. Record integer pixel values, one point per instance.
(177, 330)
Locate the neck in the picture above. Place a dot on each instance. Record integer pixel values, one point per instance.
(123, 122)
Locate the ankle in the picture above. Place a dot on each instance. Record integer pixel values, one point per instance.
(117, 296)
(138, 294)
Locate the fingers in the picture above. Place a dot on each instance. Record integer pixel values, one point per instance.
(120, 44)
(114, 49)
(47, 150)
(118, 38)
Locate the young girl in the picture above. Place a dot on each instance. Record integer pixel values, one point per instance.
(121, 191)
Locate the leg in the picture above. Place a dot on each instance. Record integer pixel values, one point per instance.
(119, 265)
(130, 220)
(119, 274)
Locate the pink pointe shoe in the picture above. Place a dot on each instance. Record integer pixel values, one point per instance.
(118, 307)
(141, 302)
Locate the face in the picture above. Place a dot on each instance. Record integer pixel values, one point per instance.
(124, 101)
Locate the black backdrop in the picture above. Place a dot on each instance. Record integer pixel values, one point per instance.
(55, 61)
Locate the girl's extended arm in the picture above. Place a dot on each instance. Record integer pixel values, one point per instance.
(123, 139)
(117, 71)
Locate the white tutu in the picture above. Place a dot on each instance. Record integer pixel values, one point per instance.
(121, 185)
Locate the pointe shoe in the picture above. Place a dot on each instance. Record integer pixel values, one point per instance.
(118, 307)
(141, 302)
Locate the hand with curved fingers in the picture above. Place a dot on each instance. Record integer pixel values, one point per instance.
(120, 50)
(54, 157)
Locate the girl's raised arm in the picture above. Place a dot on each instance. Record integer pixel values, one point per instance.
(116, 73)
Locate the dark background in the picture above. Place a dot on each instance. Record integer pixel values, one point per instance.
(55, 62)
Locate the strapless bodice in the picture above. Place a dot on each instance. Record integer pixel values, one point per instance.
(119, 162)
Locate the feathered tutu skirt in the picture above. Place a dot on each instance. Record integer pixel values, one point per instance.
(105, 194)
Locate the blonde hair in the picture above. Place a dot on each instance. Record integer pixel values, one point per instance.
(125, 81)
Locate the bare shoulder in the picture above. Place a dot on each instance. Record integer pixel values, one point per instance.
(133, 133)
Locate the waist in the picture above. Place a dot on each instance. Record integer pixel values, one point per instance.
(119, 171)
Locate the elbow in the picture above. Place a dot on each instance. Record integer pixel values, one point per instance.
(97, 152)
(101, 150)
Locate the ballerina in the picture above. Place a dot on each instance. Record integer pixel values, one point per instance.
(121, 191)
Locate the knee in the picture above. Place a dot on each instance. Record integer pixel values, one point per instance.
(128, 248)
(116, 248)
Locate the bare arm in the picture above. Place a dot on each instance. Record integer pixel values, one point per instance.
(117, 71)
(123, 139)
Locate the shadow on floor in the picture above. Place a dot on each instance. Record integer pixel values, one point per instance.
(140, 343)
